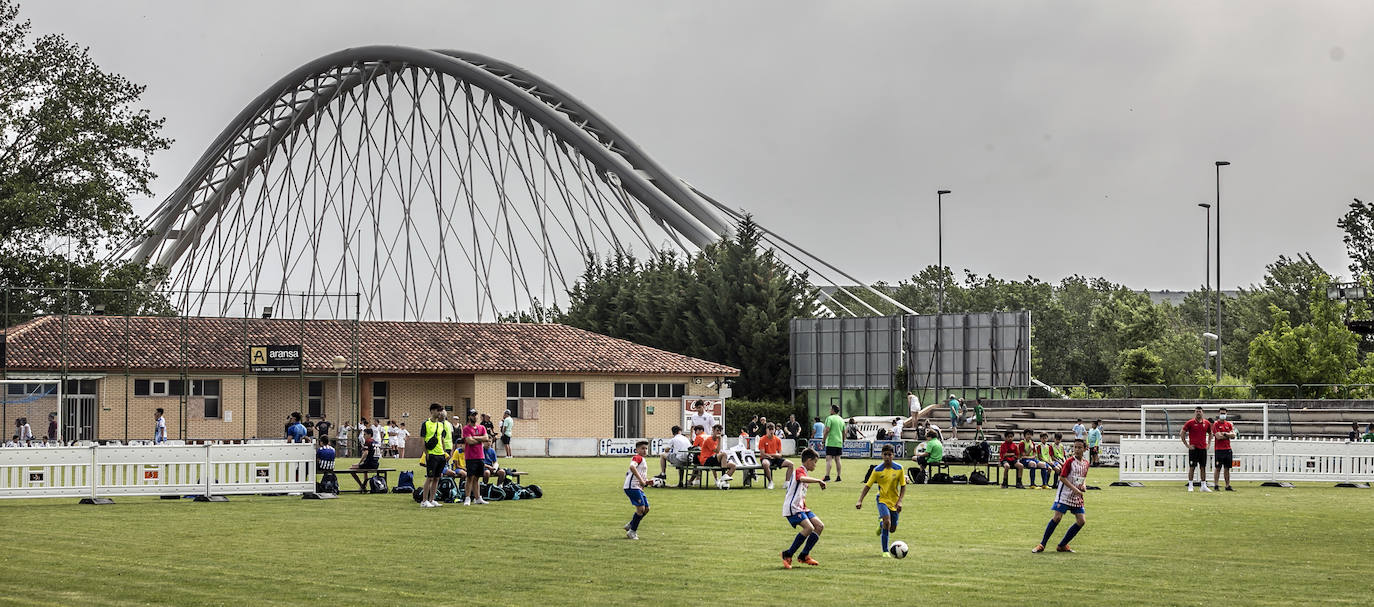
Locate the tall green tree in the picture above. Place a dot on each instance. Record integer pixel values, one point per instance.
(1358, 225)
(73, 150)
(1320, 351)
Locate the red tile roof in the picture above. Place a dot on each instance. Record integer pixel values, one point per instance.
(101, 342)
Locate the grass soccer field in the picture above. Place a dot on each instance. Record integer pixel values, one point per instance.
(1157, 545)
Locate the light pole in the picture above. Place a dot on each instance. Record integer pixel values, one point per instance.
(1219, 164)
(1207, 274)
(339, 363)
(940, 246)
(940, 305)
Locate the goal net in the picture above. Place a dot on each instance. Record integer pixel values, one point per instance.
(1254, 420)
(28, 407)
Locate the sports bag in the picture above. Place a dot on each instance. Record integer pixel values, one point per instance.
(491, 492)
(376, 485)
(447, 492)
(328, 483)
(977, 477)
(405, 482)
(958, 478)
(940, 478)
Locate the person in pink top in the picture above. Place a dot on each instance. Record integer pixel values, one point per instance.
(1222, 433)
(475, 439)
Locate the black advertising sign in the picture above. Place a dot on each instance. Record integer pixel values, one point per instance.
(274, 359)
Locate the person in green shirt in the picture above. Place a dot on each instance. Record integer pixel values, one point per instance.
(834, 442)
(978, 419)
(1095, 441)
(930, 452)
(1369, 435)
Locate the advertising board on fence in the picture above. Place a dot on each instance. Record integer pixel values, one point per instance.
(861, 449)
(715, 407)
(626, 446)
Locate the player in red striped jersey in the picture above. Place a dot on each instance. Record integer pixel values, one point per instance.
(636, 479)
(1072, 483)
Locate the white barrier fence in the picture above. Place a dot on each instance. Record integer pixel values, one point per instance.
(207, 470)
(611, 447)
(1166, 459)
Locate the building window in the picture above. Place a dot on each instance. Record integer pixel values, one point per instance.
(542, 389)
(650, 390)
(314, 400)
(208, 389)
(379, 399)
(513, 405)
(151, 387)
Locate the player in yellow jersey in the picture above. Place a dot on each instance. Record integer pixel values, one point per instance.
(891, 482)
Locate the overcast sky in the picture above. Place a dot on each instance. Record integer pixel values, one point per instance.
(1077, 137)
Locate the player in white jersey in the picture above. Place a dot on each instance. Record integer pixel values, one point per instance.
(636, 478)
(794, 508)
(1072, 483)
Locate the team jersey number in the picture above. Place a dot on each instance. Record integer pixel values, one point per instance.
(742, 458)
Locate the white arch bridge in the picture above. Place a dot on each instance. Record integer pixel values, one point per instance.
(434, 183)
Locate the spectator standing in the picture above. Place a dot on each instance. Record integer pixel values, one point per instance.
(323, 426)
(791, 430)
(342, 440)
(474, 437)
(508, 426)
(25, 432)
(834, 442)
(52, 427)
(295, 431)
(159, 427)
(1222, 433)
(377, 435)
(817, 429)
(956, 410)
(1095, 441)
(1078, 429)
(978, 418)
(400, 439)
(1369, 434)
(913, 405)
(1196, 434)
(491, 428)
(851, 430)
(752, 428)
(701, 418)
(1355, 433)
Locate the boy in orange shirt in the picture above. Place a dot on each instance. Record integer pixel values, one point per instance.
(770, 448)
(711, 450)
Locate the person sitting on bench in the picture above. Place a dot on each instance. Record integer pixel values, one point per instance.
(929, 453)
(371, 453)
(711, 450)
(1009, 456)
(770, 451)
(676, 453)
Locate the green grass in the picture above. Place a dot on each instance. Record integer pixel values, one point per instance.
(1157, 545)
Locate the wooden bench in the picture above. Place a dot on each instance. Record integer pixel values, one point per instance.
(366, 474)
(745, 462)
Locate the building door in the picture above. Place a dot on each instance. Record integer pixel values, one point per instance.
(78, 417)
(629, 418)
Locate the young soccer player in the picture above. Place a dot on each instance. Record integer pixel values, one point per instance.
(1045, 453)
(1072, 484)
(1009, 453)
(636, 478)
(891, 484)
(1028, 453)
(798, 515)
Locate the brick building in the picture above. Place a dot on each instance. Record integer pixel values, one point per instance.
(558, 381)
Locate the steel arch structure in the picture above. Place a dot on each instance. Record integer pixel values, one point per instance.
(399, 173)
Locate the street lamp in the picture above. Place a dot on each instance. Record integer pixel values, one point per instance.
(940, 246)
(1219, 164)
(339, 363)
(1207, 274)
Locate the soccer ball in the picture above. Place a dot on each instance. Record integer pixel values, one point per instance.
(657, 483)
(898, 549)
(723, 482)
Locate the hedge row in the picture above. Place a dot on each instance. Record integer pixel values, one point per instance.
(739, 412)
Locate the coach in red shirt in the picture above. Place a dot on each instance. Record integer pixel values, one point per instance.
(1222, 433)
(1196, 434)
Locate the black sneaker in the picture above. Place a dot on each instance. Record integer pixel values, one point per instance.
(827, 478)
(1020, 486)
(662, 476)
(1228, 488)
(837, 479)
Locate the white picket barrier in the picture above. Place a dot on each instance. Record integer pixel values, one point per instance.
(162, 470)
(1292, 460)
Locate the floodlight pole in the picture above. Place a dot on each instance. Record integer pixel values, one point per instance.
(1207, 280)
(940, 304)
(1219, 164)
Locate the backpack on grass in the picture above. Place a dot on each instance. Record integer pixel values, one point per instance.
(328, 483)
(376, 485)
(447, 491)
(405, 482)
(977, 477)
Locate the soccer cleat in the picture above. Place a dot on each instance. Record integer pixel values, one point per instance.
(1228, 488)
(838, 479)
(425, 505)
(827, 478)
(1038, 549)
(467, 501)
(786, 561)
(1206, 489)
(631, 535)
(880, 530)
(662, 476)
(887, 555)
(1190, 487)
(807, 559)
(770, 484)
(627, 526)
(1063, 548)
